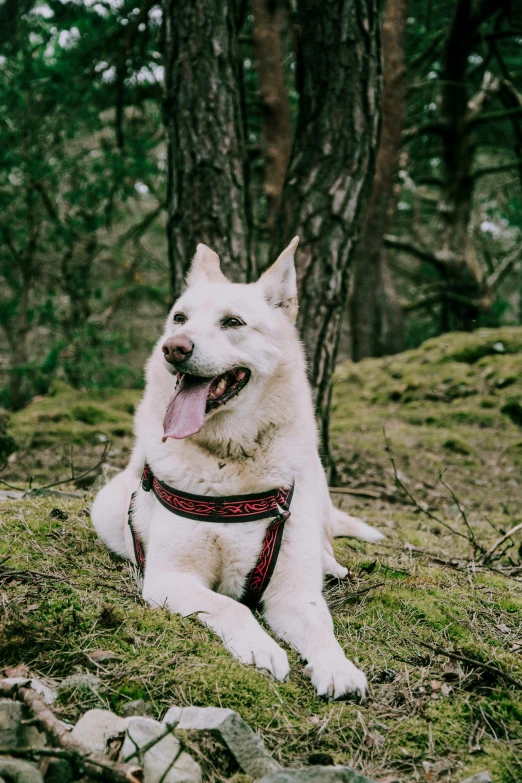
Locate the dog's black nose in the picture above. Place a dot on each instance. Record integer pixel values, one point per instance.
(177, 349)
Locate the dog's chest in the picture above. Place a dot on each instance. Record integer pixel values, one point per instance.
(222, 554)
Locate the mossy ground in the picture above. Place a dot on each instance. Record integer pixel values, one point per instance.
(442, 409)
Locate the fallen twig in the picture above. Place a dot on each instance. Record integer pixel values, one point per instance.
(472, 662)
(22, 575)
(364, 493)
(93, 766)
(78, 477)
(489, 553)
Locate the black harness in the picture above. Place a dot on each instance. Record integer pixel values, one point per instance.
(231, 509)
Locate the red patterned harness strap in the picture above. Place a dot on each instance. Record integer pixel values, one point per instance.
(233, 508)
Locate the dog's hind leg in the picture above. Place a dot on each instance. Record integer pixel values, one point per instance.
(342, 524)
(110, 510)
(330, 564)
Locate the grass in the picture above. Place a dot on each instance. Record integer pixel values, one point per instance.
(427, 718)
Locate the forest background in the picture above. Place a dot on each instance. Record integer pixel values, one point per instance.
(92, 146)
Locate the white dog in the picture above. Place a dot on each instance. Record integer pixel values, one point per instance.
(230, 373)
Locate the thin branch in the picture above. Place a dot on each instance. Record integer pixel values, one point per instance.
(495, 116)
(439, 260)
(412, 498)
(471, 535)
(490, 552)
(472, 662)
(499, 169)
(425, 301)
(435, 126)
(503, 269)
(78, 477)
(364, 493)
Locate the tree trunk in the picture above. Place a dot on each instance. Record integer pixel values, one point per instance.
(464, 281)
(206, 192)
(266, 30)
(330, 171)
(376, 326)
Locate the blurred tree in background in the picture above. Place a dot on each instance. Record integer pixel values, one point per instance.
(271, 112)
(81, 181)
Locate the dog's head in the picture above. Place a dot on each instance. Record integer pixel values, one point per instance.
(225, 341)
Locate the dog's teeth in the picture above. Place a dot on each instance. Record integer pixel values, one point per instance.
(240, 375)
(222, 385)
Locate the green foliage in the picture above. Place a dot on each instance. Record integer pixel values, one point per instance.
(81, 166)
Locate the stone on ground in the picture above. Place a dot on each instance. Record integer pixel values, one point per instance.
(230, 730)
(317, 775)
(158, 750)
(96, 727)
(17, 771)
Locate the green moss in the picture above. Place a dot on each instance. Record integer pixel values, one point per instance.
(88, 414)
(456, 445)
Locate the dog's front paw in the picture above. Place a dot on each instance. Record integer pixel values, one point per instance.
(337, 677)
(258, 649)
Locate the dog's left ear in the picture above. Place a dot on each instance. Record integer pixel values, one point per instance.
(205, 266)
(279, 282)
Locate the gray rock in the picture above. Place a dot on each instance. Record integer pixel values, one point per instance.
(480, 777)
(16, 771)
(10, 494)
(138, 707)
(317, 775)
(159, 751)
(47, 694)
(107, 473)
(96, 727)
(231, 730)
(86, 682)
(11, 716)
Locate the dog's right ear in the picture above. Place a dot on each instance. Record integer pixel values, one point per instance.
(279, 282)
(205, 266)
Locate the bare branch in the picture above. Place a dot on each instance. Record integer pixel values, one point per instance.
(495, 116)
(472, 662)
(514, 164)
(436, 127)
(490, 552)
(503, 269)
(439, 260)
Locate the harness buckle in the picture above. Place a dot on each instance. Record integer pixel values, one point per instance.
(147, 479)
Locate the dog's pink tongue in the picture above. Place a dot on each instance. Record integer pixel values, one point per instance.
(185, 414)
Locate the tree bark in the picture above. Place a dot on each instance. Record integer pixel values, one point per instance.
(206, 180)
(376, 324)
(269, 17)
(330, 172)
(463, 276)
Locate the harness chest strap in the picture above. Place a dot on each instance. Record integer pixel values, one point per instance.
(231, 509)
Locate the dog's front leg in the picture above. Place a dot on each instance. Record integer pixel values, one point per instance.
(185, 594)
(304, 622)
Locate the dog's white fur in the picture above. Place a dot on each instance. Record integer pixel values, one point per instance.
(263, 438)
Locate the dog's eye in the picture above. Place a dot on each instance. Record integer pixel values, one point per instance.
(232, 323)
(179, 318)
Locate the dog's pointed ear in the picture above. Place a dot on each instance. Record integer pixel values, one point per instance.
(279, 282)
(205, 266)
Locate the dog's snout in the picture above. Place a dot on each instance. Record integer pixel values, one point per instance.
(177, 349)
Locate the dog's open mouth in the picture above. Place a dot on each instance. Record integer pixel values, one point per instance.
(195, 396)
